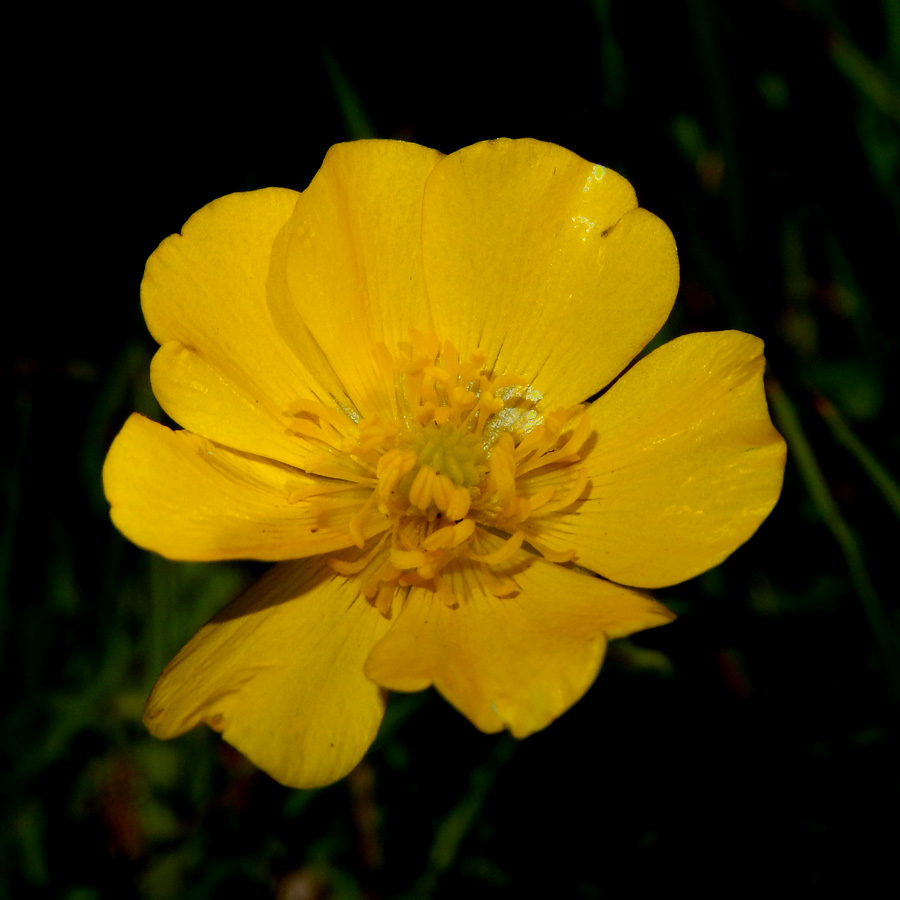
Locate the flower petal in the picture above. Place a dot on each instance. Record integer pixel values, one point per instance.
(685, 468)
(353, 262)
(518, 661)
(186, 384)
(223, 370)
(544, 261)
(280, 673)
(188, 498)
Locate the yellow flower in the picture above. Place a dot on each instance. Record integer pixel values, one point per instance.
(382, 385)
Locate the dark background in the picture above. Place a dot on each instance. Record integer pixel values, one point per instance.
(752, 743)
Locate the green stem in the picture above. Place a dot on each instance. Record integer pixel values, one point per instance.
(460, 820)
(882, 479)
(801, 453)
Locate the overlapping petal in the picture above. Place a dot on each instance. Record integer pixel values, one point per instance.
(280, 673)
(515, 662)
(519, 249)
(685, 464)
(188, 498)
(223, 370)
(544, 261)
(352, 262)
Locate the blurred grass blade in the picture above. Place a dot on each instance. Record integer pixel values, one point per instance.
(878, 474)
(801, 453)
(459, 821)
(355, 119)
(864, 75)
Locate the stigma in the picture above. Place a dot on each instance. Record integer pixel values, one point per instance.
(458, 475)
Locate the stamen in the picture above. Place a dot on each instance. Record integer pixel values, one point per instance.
(541, 498)
(354, 526)
(421, 492)
(452, 459)
(448, 598)
(570, 496)
(320, 411)
(354, 567)
(555, 556)
(407, 559)
(450, 536)
(458, 506)
(319, 490)
(499, 586)
(384, 598)
(509, 548)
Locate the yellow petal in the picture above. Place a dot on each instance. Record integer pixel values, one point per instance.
(518, 661)
(353, 260)
(543, 260)
(185, 383)
(224, 371)
(280, 673)
(686, 464)
(188, 498)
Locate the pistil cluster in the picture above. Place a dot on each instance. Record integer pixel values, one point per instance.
(459, 474)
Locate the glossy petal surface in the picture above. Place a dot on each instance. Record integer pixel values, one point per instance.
(544, 261)
(223, 371)
(382, 383)
(685, 464)
(352, 263)
(188, 498)
(512, 662)
(280, 673)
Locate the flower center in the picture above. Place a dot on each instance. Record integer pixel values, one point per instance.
(462, 473)
(441, 464)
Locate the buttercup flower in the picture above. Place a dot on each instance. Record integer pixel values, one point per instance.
(382, 383)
